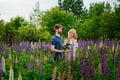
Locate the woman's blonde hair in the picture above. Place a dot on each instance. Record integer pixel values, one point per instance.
(74, 32)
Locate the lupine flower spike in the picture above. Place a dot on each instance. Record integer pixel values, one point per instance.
(19, 76)
(11, 73)
(99, 68)
(3, 64)
(54, 73)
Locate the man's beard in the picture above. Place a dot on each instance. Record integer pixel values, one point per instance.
(59, 32)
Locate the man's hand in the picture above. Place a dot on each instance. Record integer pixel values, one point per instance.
(55, 50)
(62, 51)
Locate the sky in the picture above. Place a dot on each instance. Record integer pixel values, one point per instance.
(13, 8)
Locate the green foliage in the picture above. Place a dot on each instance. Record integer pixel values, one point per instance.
(101, 22)
(32, 33)
(92, 55)
(74, 6)
(10, 33)
(27, 32)
(117, 21)
(44, 35)
(18, 22)
(2, 28)
(54, 16)
(96, 9)
(9, 30)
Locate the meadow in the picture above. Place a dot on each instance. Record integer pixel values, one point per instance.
(95, 60)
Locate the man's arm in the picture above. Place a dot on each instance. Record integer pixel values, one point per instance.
(55, 50)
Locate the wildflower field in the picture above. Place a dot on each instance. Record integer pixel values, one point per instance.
(95, 60)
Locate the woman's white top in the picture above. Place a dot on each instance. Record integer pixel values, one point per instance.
(74, 46)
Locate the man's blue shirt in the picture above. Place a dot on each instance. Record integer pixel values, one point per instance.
(57, 42)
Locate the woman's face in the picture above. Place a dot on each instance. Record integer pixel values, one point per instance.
(70, 34)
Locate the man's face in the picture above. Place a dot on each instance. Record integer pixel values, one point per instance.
(59, 30)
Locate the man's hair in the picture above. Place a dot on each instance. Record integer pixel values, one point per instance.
(57, 26)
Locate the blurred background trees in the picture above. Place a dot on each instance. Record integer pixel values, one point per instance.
(74, 6)
(100, 21)
(54, 16)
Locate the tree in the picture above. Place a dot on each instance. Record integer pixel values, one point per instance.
(2, 30)
(54, 16)
(74, 6)
(35, 16)
(117, 20)
(32, 33)
(27, 32)
(18, 22)
(101, 23)
(10, 33)
(96, 9)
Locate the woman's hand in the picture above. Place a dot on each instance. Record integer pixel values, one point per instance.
(67, 51)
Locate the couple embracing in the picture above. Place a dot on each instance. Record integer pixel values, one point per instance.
(57, 42)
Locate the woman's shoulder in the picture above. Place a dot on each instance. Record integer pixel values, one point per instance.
(76, 43)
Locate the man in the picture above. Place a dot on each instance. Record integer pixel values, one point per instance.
(57, 41)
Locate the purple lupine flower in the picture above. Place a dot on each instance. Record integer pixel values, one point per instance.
(1, 69)
(119, 60)
(84, 68)
(92, 68)
(33, 64)
(1, 48)
(72, 50)
(113, 58)
(104, 58)
(41, 69)
(102, 51)
(84, 47)
(6, 52)
(105, 69)
(118, 72)
(27, 65)
(1, 73)
(0, 59)
(118, 75)
(45, 48)
(40, 65)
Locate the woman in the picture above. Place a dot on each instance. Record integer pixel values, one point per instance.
(72, 40)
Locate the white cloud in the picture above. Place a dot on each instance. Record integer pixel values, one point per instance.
(12, 8)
